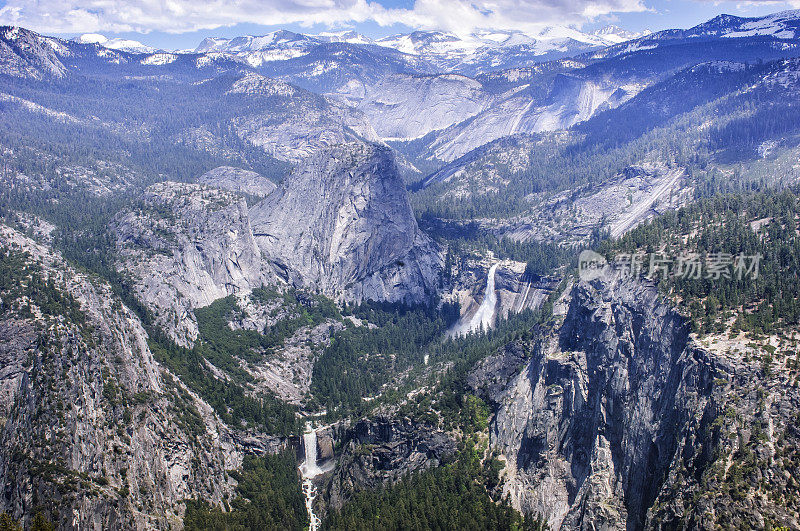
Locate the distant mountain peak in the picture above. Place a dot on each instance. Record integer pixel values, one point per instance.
(125, 45)
(782, 25)
(254, 43)
(615, 34)
(348, 36)
(13, 33)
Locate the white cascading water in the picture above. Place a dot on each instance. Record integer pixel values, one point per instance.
(309, 469)
(483, 317)
(521, 304)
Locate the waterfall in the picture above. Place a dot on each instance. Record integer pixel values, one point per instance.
(309, 470)
(484, 316)
(309, 467)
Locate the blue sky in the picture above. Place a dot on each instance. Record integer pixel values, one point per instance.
(182, 24)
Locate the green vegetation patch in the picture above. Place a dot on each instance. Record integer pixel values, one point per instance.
(269, 496)
(453, 496)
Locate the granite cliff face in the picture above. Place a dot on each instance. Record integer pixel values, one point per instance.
(616, 418)
(343, 225)
(597, 410)
(93, 429)
(186, 246)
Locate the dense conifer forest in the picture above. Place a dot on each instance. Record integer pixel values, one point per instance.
(762, 297)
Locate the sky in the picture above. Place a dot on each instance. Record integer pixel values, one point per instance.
(182, 24)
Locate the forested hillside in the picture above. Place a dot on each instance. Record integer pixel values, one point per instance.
(728, 289)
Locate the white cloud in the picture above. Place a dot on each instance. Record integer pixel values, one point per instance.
(178, 16)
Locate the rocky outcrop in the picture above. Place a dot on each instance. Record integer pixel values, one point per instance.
(592, 422)
(617, 418)
(381, 451)
(238, 180)
(343, 225)
(186, 246)
(491, 376)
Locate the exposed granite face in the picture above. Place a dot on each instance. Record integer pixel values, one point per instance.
(343, 225)
(324, 445)
(238, 180)
(491, 376)
(381, 451)
(591, 424)
(93, 429)
(618, 418)
(185, 247)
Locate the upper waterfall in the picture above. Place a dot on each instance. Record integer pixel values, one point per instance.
(484, 316)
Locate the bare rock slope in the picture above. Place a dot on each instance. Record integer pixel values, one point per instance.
(186, 246)
(238, 180)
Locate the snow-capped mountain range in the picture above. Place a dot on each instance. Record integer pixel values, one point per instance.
(447, 94)
(478, 52)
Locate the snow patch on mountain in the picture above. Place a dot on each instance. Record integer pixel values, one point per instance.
(278, 45)
(125, 45)
(159, 59)
(782, 25)
(252, 43)
(490, 49)
(616, 35)
(348, 36)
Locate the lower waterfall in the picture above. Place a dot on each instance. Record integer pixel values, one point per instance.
(309, 470)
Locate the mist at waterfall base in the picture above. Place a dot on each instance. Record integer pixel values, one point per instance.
(483, 318)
